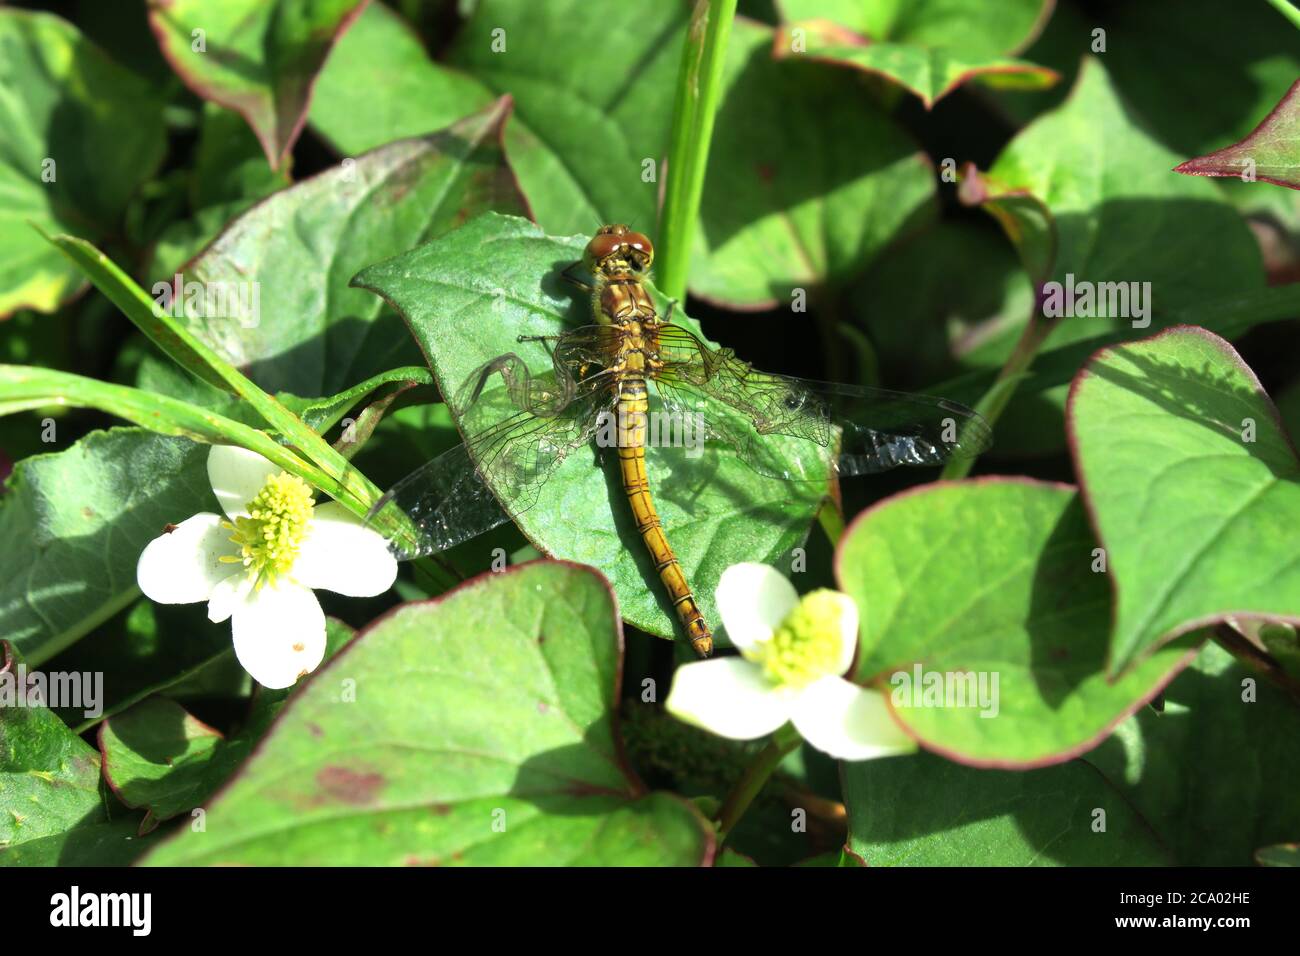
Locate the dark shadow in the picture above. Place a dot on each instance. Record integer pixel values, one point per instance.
(1069, 618)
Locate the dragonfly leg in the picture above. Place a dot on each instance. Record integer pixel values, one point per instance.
(568, 276)
(672, 305)
(546, 341)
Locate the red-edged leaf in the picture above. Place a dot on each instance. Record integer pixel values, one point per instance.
(257, 57)
(1271, 152)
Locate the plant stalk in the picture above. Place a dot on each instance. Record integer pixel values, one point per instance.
(754, 779)
(699, 87)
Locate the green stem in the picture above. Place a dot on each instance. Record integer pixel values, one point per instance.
(995, 400)
(152, 689)
(754, 778)
(832, 522)
(699, 88)
(1287, 10)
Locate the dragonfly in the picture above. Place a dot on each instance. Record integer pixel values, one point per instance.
(519, 424)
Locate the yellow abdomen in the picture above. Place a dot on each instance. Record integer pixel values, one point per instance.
(633, 408)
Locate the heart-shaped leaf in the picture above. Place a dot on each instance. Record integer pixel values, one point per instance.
(593, 102)
(157, 756)
(256, 57)
(467, 297)
(81, 135)
(770, 220)
(1270, 153)
(931, 51)
(310, 333)
(382, 52)
(984, 617)
(507, 757)
(1085, 191)
(978, 28)
(924, 811)
(1193, 486)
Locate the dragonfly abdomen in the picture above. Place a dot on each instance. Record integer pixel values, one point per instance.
(633, 408)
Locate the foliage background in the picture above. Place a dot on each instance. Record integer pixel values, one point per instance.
(824, 176)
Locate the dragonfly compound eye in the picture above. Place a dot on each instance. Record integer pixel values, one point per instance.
(603, 245)
(640, 250)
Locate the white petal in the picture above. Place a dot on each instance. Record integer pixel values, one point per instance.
(848, 722)
(728, 696)
(183, 565)
(753, 599)
(237, 475)
(279, 633)
(228, 594)
(848, 630)
(340, 554)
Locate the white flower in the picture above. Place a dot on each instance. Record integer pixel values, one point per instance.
(259, 567)
(793, 653)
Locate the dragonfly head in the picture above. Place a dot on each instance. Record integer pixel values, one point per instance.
(617, 250)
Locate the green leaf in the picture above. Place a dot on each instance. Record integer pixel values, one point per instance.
(1086, 191)
(1234, 76)
(976, 28)
(1280, 854)
(1216, 769)
(255, 57)
(157, 756)
(771, 220)
(1192, 485)
(589, 104)
(49, 777)
(1270, 153)
(92, 844)
(921, 810)
(81, 135)
(509, 758)
(381, 52)
(467, 297)
(983, 581)
(228, 163)
(312, 335)
(73, 524)
(592, 102)
(935, 49)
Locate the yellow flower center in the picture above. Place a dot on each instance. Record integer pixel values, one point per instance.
(807, 644)
(270, 535)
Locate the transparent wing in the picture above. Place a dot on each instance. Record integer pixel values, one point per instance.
(521, 427)
(853, 430)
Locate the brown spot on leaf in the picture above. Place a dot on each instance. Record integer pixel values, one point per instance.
(350, 786)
